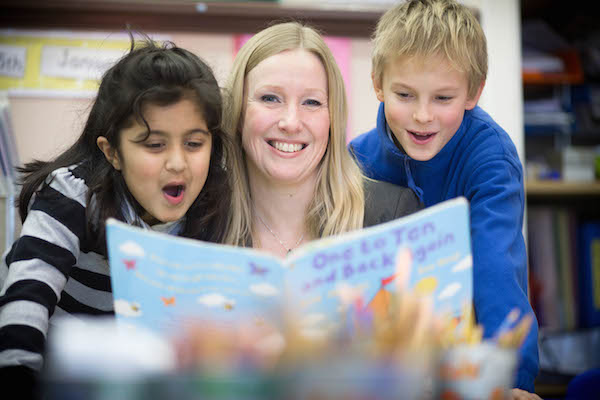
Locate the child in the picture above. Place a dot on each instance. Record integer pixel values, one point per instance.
(429, 69)
(151, 155)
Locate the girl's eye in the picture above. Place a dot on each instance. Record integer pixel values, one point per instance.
(269, 98)
(196, 144)
(153, 145)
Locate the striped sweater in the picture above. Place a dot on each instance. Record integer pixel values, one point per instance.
(50, 271)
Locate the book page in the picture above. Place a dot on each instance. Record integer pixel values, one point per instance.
(430, 251)
(162, 281)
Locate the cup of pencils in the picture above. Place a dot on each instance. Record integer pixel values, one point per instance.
(483, 369)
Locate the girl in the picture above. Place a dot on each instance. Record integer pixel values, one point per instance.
(150, 154)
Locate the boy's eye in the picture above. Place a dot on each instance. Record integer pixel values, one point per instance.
(403, 95)
(444, 98)
(269, 98)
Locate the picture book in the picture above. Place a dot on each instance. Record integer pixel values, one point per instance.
(159, 280)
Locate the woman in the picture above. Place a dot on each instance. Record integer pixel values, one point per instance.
(294, 180)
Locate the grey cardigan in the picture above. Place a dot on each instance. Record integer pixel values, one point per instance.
(385, 202)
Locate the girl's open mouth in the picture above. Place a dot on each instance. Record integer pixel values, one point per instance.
(174, 193)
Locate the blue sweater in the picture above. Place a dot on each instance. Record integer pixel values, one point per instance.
(480, 162)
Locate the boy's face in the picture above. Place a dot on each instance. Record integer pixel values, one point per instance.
(425, 101)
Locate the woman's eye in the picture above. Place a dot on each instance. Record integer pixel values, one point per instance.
(312, 102)
(269, 98)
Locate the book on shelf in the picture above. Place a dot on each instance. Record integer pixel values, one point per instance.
(589, 282)
(564, 264)
(543, 266)
(159, 280)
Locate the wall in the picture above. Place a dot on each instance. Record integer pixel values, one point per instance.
(45, 126)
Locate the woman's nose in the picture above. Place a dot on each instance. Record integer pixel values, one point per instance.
(290, 121)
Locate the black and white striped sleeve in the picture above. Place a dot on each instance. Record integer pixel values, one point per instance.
(39, 264)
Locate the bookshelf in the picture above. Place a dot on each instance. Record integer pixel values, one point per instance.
(555, 189)
(561, 211)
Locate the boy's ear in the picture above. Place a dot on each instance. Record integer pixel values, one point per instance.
(472, 102)
(377, 87)
(110, 153)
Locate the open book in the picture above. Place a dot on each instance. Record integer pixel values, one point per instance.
(159, 280)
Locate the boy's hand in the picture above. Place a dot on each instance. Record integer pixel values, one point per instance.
(518, 394)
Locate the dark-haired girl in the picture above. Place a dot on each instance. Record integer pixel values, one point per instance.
(150, 154)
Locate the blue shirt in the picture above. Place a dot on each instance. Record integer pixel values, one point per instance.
(480, 162)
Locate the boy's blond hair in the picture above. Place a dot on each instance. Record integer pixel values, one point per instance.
(426, 28)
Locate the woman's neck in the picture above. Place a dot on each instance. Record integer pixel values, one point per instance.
(279, 214)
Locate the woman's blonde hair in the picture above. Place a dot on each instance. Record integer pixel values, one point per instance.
(338, 204)
(425, 28)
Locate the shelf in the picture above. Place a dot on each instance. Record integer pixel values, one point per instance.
(573, 74)
(182, 15)
(559, 188)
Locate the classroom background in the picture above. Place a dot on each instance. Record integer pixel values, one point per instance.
(543, 87)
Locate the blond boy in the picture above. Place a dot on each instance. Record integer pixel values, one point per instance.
(429, 69)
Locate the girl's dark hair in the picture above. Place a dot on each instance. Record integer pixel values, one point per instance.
(148, 74)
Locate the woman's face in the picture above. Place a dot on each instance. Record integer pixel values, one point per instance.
(166, 169)
(285, 129)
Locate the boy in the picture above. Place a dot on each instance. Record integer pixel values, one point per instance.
(429, 69)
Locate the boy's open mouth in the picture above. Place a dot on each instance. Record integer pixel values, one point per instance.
(286, 147)
(421, 137)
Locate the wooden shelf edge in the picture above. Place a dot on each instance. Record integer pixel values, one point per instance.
(561, 188)
(182, 15)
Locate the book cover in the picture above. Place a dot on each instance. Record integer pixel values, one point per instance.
(589, 278)
(543, 266)
(160, 280)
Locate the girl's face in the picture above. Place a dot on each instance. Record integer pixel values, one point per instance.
(166, 169)
(286, 117)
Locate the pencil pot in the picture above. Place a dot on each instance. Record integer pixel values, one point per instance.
(354, 379)
(484, 371)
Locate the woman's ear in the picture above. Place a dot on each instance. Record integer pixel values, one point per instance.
(109, 152)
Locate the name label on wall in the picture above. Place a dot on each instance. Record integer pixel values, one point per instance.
(76, 62)
(12, 61)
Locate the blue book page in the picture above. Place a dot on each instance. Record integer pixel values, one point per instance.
(161, 281)
(430, 251)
